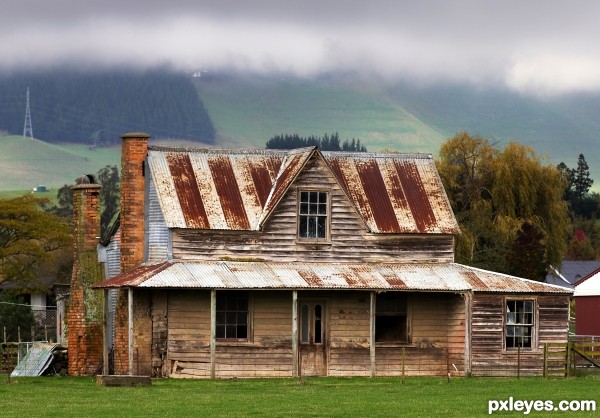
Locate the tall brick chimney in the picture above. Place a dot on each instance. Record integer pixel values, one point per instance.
(84, 317)
(133, 155)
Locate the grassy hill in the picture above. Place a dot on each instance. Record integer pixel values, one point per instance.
(26, 163)
(247, 111)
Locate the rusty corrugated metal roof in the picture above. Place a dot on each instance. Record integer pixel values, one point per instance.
(238, 189)
(444, 277)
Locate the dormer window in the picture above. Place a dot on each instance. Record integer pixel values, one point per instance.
(313, 214)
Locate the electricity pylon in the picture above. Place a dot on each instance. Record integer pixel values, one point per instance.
(28, 127)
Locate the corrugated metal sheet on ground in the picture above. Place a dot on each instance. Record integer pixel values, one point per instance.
(238, 189)
(36, 361)
(445, 277)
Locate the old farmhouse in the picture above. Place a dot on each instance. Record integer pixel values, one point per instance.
(272, 263)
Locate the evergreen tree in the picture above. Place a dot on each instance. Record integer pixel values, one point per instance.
(581, 178)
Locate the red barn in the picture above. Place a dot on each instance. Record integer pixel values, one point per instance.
(587, 304)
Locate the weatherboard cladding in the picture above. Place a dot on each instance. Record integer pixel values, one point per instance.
(446, 277)
(239, 189)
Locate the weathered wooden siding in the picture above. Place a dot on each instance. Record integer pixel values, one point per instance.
(437, 343)
(489, 358)
(350, 240)
(437, 324)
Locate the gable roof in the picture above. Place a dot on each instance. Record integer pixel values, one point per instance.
(239, 189)
(443, 277)
(588, 285)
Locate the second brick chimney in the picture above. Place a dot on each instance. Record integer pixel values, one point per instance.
(133, 156)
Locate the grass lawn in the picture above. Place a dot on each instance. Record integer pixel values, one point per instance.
(329, 397)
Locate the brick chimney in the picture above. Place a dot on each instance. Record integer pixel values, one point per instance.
(133, 156)
(84, 317)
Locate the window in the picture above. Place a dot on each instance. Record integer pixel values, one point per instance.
(232, 316)
(519, 323)
(311, 323)
(312, 214)
(391, 318)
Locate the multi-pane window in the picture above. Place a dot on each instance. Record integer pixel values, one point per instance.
(312, 214)
(232, 315)
(391, 318)
(519, 323)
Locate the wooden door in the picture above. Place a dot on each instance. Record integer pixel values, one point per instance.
(312, 344)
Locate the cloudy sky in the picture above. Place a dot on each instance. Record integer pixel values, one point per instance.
(532, 46)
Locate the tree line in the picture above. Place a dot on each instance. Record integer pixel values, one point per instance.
(97, 107)
(326, 142)
(518, 214)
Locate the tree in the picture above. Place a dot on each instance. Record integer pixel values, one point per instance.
(581, 178)
(325, 143)
(108, 178)
(29, 236)
(526, 257)
(494, 193)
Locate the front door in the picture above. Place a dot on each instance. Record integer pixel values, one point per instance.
(313, 338)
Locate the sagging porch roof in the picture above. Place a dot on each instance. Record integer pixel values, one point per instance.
(443, 277)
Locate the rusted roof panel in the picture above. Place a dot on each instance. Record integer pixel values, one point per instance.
(442, 277)
(395, 193)
(239, 189)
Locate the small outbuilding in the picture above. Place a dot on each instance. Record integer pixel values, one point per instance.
(587, 305)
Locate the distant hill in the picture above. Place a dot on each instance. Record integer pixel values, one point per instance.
(247, 111)
(96, 107)
(26, 163)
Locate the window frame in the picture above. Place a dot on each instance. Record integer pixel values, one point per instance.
(407, 314)
(533, 346)
(326, 216)
(249, 306)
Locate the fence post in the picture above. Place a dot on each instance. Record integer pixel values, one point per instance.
(569, 359)
(545, 374)
(518, 362)
(403, 362)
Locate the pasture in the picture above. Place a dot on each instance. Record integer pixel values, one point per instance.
(311, 397)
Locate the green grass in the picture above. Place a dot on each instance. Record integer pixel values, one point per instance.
(330, 397)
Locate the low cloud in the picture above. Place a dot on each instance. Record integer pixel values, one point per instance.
(536, 47)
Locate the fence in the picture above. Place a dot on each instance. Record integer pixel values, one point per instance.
(581, 354)
(44, 329)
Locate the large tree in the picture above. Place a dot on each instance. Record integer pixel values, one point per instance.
(29, 237)
(495, 193)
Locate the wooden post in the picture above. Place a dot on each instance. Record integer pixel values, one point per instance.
(372, 312)
(468, 321)
(518, 362)
(5, 335)
(403, 362)
(569, 360)
(130, 326)
(545, 373)
(105, 365)
(295, 333)
(213, 332)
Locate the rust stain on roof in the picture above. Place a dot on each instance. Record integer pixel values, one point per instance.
(263, 174)
(416, 194)
(134, 277)
(474, 280)
(229, 193)
(187, 190)
(378, 196)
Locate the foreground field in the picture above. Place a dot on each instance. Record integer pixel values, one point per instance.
(357, 397)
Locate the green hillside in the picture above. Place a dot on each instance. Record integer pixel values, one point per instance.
(26, 163)
(247, 112)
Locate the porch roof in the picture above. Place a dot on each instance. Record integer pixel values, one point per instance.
(443, 277)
